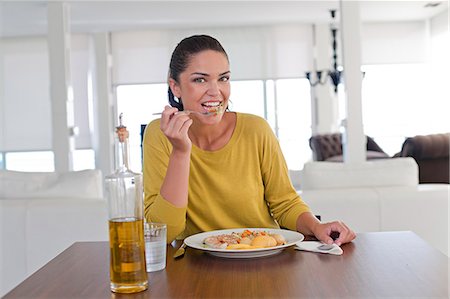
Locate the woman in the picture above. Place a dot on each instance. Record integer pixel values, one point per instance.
(207, 168)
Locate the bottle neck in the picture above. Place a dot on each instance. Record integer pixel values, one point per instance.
(122, 150)
(122, 161)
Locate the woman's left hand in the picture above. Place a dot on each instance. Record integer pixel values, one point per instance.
(325, 231)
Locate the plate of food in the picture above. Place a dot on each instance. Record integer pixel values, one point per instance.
(244, 242)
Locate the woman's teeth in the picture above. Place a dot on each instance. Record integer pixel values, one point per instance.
(213, 107)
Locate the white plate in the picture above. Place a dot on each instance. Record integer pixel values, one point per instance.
(196, 241)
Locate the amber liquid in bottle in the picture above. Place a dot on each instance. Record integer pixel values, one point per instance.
(127, 265)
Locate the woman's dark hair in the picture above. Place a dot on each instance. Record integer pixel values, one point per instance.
(183, 53)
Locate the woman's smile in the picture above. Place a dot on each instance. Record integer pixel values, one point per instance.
(215, 107)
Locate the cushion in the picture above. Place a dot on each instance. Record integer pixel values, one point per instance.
(79, 184)
(74, 184)
(22, 184)
(373, 173)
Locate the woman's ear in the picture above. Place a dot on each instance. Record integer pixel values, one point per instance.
(175, 88)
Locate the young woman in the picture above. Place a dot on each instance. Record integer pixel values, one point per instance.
(206, 168)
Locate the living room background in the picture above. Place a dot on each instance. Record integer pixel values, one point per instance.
(397, 79)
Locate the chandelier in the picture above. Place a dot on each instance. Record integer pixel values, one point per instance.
(335, 74)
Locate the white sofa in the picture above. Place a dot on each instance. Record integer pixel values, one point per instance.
(41, 214)
(377, 195)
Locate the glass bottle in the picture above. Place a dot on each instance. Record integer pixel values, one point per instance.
(126, 221)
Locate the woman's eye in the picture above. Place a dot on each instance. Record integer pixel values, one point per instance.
(199, 80)
(225, 78)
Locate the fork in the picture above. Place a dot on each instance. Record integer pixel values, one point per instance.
(180, 251)
(189, 112)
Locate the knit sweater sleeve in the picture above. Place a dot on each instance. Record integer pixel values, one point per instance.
(156, 152)
(284, 202)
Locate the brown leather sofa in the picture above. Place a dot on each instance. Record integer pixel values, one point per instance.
(328, 147)
(431, 153)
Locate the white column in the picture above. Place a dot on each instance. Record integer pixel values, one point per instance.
(2, 99)
(2, 126)
(103, 138)
(325, 113)
(61, 92)
(354, 142)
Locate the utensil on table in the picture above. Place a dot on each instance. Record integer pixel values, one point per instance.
(180, 251)
(319, 247)
(325, 247)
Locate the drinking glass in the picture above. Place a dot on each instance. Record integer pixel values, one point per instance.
(155, 235)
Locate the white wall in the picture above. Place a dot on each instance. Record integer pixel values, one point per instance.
(440, 64)
(385, 43)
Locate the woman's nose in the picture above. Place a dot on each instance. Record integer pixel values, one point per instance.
(213, 89)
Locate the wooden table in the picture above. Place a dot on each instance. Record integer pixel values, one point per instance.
(386, 264)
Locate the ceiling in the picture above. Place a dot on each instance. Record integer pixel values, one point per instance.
(18, 18)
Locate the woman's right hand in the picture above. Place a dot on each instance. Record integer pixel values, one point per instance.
(176, 126)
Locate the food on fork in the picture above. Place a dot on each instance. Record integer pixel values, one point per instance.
(213, 107)
(245, 240)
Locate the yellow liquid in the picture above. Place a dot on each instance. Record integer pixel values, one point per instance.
(127, 266)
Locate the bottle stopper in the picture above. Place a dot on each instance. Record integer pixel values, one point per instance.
(121, 130)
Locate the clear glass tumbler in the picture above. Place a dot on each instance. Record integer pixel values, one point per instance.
(155, 235)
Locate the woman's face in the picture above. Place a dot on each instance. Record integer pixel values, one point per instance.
(204, 86)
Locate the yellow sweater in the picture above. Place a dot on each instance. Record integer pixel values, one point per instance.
(244, 184)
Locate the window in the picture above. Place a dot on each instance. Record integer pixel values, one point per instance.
(293, 114)
(83, 159)
(43, 161)
(403, 107)
(30, 161)
(137, 103)
(247, 97)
